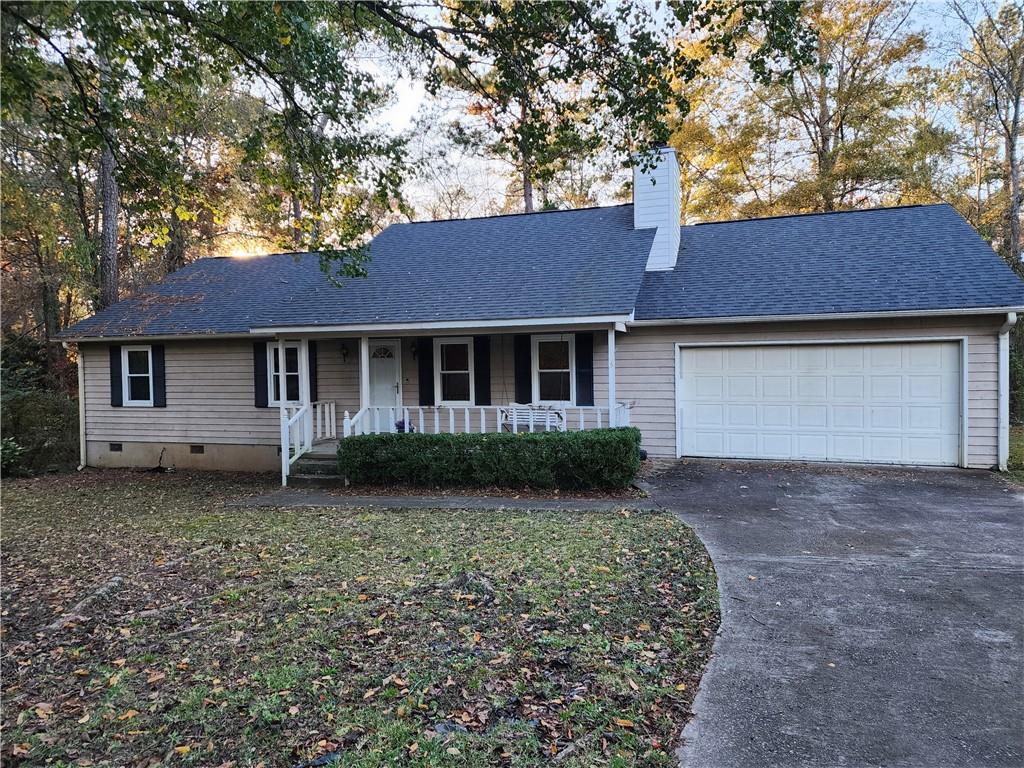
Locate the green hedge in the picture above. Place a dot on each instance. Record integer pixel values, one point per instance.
(599, 458)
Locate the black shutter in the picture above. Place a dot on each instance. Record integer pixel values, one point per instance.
(585, 368)
(116, 395)
(159, 377)
(425, 358)
(524, 377)
(259, 373)
(311, 355)
(482, 369)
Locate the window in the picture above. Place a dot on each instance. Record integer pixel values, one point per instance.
(137, 375)
(292, 374)
(554, 369)
(453, 371)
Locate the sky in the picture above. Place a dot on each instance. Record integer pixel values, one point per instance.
(484, 178)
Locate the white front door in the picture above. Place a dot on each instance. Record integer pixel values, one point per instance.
(892, 403)
(385, 373)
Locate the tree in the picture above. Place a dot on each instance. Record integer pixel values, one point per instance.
(993, 64)
(547, 81)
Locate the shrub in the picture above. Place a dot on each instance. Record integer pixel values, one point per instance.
(600, 458)
(44, 426)
(10, 455)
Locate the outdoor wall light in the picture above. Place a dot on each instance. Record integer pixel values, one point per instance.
(344, 352)
(413, 350)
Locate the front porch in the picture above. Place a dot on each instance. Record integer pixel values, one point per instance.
(333, 387)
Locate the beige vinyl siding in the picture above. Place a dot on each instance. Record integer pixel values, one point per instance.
(210, 398)
(646, 360)
(210, 388)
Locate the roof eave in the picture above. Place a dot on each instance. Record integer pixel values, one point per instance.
(724, 319)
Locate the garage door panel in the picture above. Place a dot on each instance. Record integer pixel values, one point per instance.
(881, 402)
(812, 447)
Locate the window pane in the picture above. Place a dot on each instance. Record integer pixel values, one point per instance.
(291, 359)
(274, 360)
(138, 361)
(455, 386)
(454, 357)
(277, 388)
(291, 384)
(554, 386)
(138, 387)
(553, 354)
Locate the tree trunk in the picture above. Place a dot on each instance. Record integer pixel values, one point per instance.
(50, 309)
(1013, 206)
(110, 203)
(174, 255)
(527, 190)
(825, 151)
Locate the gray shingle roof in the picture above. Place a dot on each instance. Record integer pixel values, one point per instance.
(886, 259)
(558, 264)
(588, 263)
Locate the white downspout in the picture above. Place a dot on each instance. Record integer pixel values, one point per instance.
(611, 378)
(1004, 390)
(82, 449)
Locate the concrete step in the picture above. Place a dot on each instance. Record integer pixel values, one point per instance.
(316, 465)
(315, 481)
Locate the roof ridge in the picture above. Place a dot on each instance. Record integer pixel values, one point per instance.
(521, 213)
(822, 213)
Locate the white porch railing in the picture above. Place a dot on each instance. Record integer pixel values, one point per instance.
(325, 420)
(301, 426)
(482, 419)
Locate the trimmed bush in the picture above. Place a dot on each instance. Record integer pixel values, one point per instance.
(598, 458)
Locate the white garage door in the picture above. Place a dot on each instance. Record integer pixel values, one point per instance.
(884, 403)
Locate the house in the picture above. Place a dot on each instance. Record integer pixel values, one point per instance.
(861, 336)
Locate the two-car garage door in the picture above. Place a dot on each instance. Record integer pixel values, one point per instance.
(892, 403)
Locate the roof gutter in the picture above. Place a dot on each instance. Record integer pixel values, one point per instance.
(529, 322)
(155, 337)
(827, 316)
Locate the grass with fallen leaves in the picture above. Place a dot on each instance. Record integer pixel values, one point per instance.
(1015, 464)
(146, 622)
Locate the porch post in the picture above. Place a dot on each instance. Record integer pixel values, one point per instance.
(364, 372)
(611, 378)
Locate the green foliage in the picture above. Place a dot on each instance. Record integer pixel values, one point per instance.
(43, 425)
(10, 455)
(600, 458)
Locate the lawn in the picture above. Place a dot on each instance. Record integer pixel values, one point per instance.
(228, 636)
(1016, 459)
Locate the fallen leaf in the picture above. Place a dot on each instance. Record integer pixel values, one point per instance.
(184, 749)
(128, 715)
(624, 723)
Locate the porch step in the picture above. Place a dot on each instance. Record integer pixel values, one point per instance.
(315, 481)
(316, 465)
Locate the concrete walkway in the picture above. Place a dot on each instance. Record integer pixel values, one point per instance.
(870, 617)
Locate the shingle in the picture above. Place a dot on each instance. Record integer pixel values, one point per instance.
(887, 259)
(562, 263)
(587, 263)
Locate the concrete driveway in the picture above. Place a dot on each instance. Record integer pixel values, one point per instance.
(870, 617)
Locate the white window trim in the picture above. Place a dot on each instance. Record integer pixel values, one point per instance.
(535, 367)
(440, 341)
(125, 389)
(271, 376)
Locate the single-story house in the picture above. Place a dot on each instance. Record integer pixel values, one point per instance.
(860, 336)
